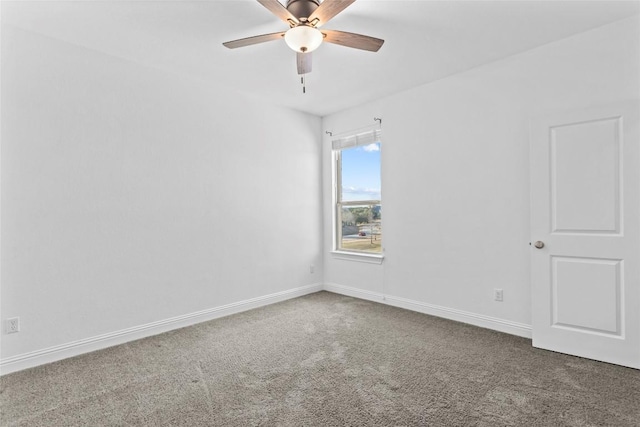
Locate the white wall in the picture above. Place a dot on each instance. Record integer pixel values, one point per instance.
(455, 176)
(132, 196)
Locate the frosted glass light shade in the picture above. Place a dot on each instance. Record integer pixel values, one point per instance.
(303, 38)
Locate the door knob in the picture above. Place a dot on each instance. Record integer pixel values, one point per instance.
(539, 244)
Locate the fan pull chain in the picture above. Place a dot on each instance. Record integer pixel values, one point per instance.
(303, 83)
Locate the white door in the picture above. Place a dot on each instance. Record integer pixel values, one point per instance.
(585, 209)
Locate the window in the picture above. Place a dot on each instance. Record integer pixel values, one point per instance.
(358, 207)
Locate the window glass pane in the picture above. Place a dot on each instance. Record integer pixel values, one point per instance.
(361, 173)
(361, 228)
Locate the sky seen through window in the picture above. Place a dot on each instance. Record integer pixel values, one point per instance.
(361, 173)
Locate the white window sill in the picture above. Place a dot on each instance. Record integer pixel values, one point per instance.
(358, 257)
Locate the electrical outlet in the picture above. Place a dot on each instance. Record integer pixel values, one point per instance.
(312, 268)
(497, 295)
(13, 325)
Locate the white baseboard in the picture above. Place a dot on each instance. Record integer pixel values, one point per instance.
(509, 327)
(76, 348)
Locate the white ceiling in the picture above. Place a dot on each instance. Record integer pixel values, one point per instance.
(425, 40)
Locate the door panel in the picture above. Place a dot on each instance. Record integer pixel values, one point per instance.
(585, 198)
(585, 171)
(586, 294)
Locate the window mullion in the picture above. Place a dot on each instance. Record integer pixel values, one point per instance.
(361, 203)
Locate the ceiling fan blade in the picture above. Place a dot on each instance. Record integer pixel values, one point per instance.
(304, 62)
(253, 40)
(327, 10)
(357, 41)
(279, 10)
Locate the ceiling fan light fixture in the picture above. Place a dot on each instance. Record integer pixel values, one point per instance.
(303, 38)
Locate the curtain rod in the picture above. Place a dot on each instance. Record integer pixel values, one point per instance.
(352, 131)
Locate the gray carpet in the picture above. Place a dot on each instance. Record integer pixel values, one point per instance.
(324, 360)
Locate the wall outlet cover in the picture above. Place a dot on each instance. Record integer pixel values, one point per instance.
(13, 325)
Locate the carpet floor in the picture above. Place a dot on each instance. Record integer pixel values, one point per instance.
(324, 360)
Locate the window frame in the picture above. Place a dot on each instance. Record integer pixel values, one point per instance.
(339, 204)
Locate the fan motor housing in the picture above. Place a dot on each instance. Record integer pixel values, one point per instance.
(302, 8)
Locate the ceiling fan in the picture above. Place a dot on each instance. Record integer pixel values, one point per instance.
(304, 18)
